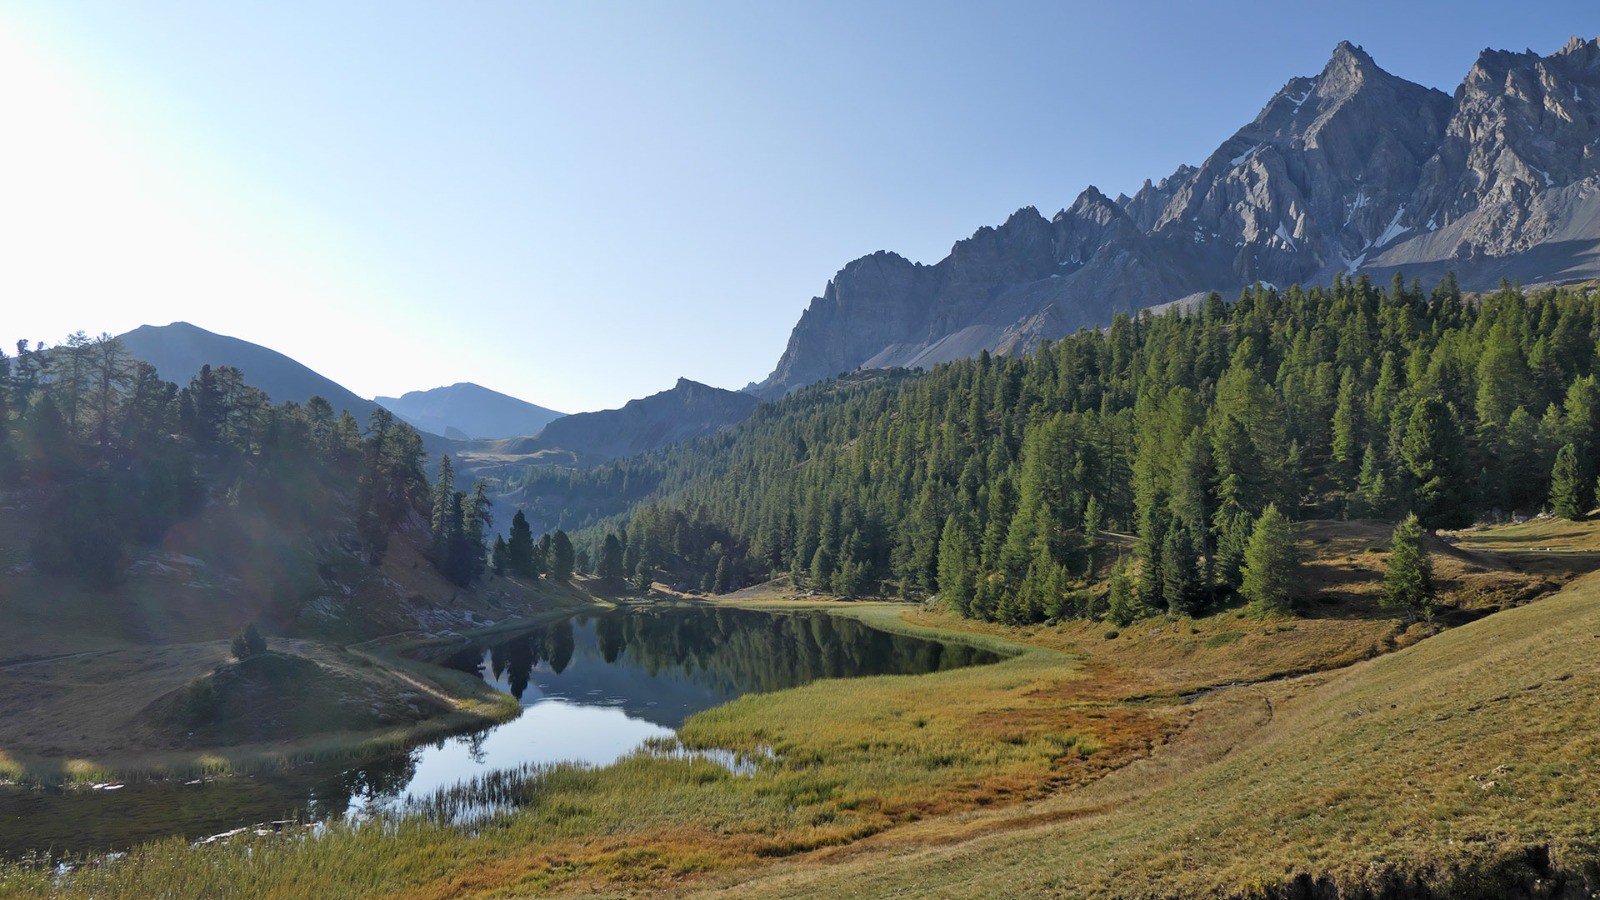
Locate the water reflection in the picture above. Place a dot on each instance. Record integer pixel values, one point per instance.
(593, 689)
(665, 665)
(596, 688)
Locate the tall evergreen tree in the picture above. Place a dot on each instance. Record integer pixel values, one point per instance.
(610, 558)
(1374, 497)
(445, 518)
(1348, 422)
(1568, 485)
(1271, 564)
(562, 558)
(1408, 583)
(1432, 451)
(499, 559)
(956, 566)
(1123, 605)
(1183, 584)
(519, 548)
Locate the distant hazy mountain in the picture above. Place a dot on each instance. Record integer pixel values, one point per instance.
(469, 411)
(1351, 171)
(180, 349)
(687, 411)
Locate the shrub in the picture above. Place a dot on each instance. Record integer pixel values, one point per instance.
(249, 642)
(199, 701)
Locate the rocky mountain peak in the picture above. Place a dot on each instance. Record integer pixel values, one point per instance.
(1349, 62)
(1350, 170)
(1519, 157)
(1577, 45)
(1026, 217)
(690, 388)
(1093, 196)
(1094, 206)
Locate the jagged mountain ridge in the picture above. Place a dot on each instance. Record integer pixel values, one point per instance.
(467, 411)
(1352, 170)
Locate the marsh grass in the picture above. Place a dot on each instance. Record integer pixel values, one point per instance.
(1074, 760)
(829, 763)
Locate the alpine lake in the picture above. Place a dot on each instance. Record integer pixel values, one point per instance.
(593, 689)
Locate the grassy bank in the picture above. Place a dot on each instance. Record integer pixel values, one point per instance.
(1075, 766)
(850, 758)
(1461, 766)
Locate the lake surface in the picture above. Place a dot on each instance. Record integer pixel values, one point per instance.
(593, 688)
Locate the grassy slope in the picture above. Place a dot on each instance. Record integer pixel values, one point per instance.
(1466, 763)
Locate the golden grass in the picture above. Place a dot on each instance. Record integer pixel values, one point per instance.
(1072, 767)
(1465, 764)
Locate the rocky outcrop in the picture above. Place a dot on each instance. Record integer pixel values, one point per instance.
(1351, 170)
(1514, 188)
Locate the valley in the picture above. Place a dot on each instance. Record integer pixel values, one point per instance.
(1069, 746)
(1236, 536)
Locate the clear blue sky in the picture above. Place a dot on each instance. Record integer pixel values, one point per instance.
(576, 203)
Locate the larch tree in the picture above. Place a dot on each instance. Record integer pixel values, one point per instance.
(519, 547)
(562, 557)
(610, 557)
(1271, 564)
(1568, 485)
(1408, 583)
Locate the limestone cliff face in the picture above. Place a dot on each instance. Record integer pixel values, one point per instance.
(1519, 162)
(1352, 170)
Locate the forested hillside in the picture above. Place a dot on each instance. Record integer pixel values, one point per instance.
(995, 481)
(106, 457)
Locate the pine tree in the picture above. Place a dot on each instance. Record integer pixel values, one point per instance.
(1408, 585)
(249, 642)
(1181, 581)
(1271, 564)
(1521, 481)
(499, 558)
(519, 549)
(446, 517)
(1502, 377)
(957, 575)
(1432, 450)
(852, 578)
(543, 554)
(610, 558)
(478, 519)
(561, 556)
(1123, 605)
(1568, 486)
(1374, 496)
(1347, 429)
(1232, 540)
(822, 569)
(1093, 521)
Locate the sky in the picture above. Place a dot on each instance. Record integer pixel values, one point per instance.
(577, 203)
